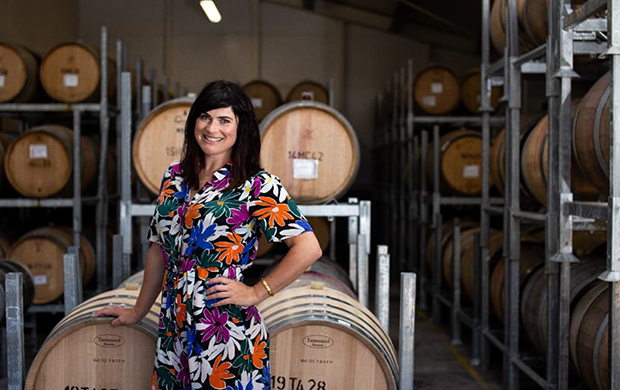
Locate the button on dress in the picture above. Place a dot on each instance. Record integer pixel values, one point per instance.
(215, 234)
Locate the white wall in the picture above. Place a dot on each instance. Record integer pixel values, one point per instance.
(279, 43)
(38, 24)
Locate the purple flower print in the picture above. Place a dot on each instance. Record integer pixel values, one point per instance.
(187, 264)
(176, 169)
(239, 216)
(221, 184)
(215, 322)
(256, 186)
(183, 374)
(252, 313)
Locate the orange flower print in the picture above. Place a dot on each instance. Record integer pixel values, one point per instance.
(181, 311)
(193, 212)
(166, 192)
(230, 251)
(259, 353)
(154, 381)
(276, 212)
(220, 373)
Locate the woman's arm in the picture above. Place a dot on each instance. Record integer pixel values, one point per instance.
(304, 250)
(151, 287)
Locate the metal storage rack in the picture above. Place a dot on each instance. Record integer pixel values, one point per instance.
(358, 213)
(410, 202)
(104, 111)
(569, 33)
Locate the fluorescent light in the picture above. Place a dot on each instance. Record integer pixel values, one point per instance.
(211, 11)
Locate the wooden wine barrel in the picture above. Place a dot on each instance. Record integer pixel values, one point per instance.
(436, 90)
(9, 266)
(5, 142)
(589, 336)
(71, 73)
(42, 251)
(460, 162)
(322, 333)
(321, 228)
(159, 141)
(533, 16)
(498, 27)
(467, 242)
(19, 73)
(310, 91)
(265, 97)
(470, 92)
(468, 275)
(5, 245)
(535, 169)
(534, 297)
(446, 236)
(592, 133)
(532, 257)
(39, 163)
(84, 351)
(312, 148)
(264, 246)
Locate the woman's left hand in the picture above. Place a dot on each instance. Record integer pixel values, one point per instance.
(231, 292)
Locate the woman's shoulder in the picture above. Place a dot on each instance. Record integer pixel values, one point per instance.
(173, 170)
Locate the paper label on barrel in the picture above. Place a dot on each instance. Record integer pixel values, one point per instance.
(39, 280)
(307, 95)
(70, 80)
(436, 87)
(38, 151)
(429, 100)
(257, 102)
(2, 80)
(305, 168)
(471, 171)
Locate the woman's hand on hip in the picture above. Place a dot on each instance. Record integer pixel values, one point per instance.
(124, 315)
(231, 292)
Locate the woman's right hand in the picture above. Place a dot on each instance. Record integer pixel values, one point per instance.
(124, 315)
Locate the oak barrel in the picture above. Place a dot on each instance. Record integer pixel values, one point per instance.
(446, 236)
(498, 27)
(71, 73)
(84, 351)
(312, 148)
(5, 245)
(535, 168)
(532, 257)
(159, 141)
(322, 231)
(467, 242)
(534, 298)
(321, 333)
(19, 73)
(468, 271)
(5, 141)
(8, 266)
(459, 163)
(39, 163)
(470, 92)
(589, 336)
(42, 251)
(592, 133)
(308, 91)
(265, 97)
(436, 90)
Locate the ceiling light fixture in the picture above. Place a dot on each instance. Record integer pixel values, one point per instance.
(210, 9)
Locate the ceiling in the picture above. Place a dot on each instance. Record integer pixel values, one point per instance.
(453, 24)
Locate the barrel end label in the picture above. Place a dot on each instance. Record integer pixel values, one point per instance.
(318, 341)
(109, 341)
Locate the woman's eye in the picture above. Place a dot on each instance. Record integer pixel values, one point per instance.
(204, 116)
(225, 121)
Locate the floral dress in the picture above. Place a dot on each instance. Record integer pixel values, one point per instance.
(215, 234)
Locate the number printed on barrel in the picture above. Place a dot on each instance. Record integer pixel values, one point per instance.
(293, 383)
(89, 388)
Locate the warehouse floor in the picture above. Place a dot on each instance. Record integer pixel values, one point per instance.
(438, 364)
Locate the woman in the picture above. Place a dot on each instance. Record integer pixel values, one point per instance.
(211, 210)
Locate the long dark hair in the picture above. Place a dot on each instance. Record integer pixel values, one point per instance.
(245, 151)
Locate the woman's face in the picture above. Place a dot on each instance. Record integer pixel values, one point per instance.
(216, 132)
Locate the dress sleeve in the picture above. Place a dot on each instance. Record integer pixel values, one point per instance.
(274, 210)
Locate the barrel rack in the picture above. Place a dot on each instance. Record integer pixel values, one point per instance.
(104, 111)
(570, 32)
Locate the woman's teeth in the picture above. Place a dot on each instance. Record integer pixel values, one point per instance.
(214, 139)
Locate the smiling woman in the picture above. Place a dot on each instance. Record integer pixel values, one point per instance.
(213, 207)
